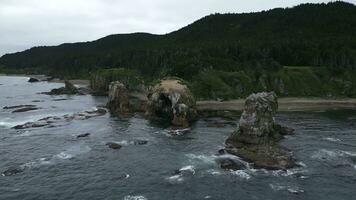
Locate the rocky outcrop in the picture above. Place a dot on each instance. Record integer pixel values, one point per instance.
(99, 85)
(118, 99)
(173, 101)
(257, 135)
(68, 89)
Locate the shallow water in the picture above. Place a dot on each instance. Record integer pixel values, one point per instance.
(57, 165)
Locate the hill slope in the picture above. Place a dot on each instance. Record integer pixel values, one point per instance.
(308, 35)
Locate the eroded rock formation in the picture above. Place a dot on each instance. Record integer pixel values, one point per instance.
(69, 89)
(257, 135)
(173, 101)
(118, 99)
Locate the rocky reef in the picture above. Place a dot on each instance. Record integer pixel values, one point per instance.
(171, 100)
(54, 121)
(256, 138)
(118, 99)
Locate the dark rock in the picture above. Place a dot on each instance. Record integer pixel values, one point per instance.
(12, 171)
(33, 80)
(172, 101)
(230, 164)
(24, 109)
(83, 135)
(68, 89)
(286, 131)
(256, 138)
(19, 106)
(60, 99)
(222, 152)
(118, 99)
(113, 145)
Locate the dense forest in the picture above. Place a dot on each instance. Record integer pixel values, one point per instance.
(239, 52)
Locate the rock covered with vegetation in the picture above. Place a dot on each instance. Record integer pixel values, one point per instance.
(257, 135)
(118, 99)
(172, 100)
(100, 80)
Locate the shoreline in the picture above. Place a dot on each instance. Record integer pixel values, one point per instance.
(285, 104)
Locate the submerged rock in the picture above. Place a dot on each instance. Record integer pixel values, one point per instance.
(118, 99)
(26, 109)
(256, 138)
(49, 122)
(12, 171)
(83, 135)
(172, 101)
(113, 145)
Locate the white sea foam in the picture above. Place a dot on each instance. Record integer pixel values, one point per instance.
(129, 197)
(214, 172)
(291, 189)
(175, 179)
(242, 174)
(189, 168)
(332, 139)
(206, 159)
(64, 155)
(73, 151)
(37, 163)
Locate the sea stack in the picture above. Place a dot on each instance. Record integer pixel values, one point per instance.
(256, 138)
(172, 100)
(118, 99)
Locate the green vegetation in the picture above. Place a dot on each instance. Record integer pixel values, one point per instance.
(222, 55)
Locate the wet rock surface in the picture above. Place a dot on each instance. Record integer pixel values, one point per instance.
(52, 121)
(118, 99)
(33, 80)
(172, 101)
(257, 136)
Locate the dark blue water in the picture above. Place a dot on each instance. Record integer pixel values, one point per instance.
(57, 165)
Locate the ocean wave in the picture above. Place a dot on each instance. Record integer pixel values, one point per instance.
(290, 189)
(175, 179)
(73, 151)
(331, 154)
(129, 197)
(242, 174)
(189, 168)
(209, 159)
(332, 139)
(214, 172)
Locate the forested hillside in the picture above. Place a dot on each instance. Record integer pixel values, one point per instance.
(253, 44)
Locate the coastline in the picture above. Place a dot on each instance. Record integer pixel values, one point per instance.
(285, 104)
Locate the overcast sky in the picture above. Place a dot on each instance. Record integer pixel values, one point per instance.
(28, 23)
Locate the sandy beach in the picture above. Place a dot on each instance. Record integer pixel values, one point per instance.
(285, 104)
